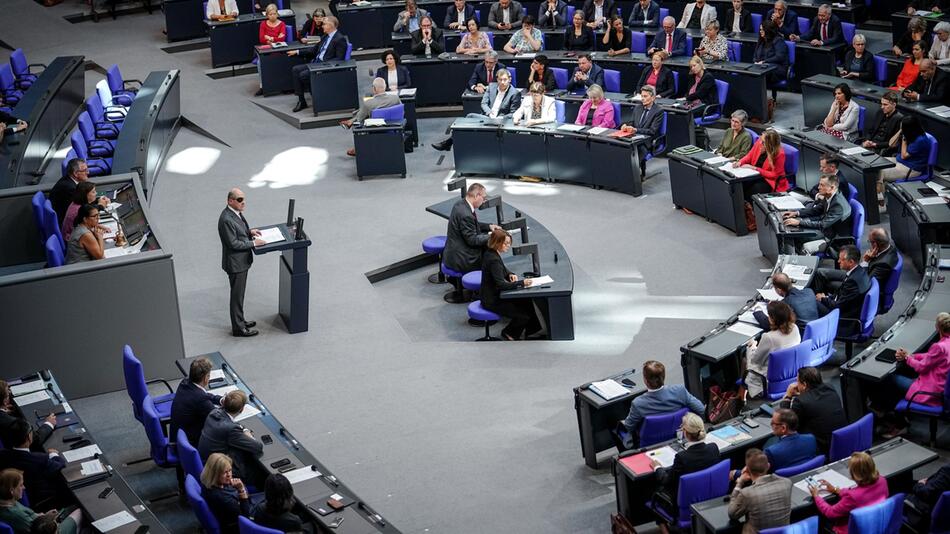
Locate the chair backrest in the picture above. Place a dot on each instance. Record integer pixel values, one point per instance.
(349, 50)
(701, 486)
(880, 69)
(638, 42)
(783, 368)
(51, 225)
(940, 516)
(852, 192)
(114, 77)
(756, 22)
(69, 156)
(664, 12)
(559, 111)
(153, 431)
(79, 145)
(798, 469)
(39, 215)
(616, 106)
(689, 46)
(857, 221)
(560, 77)
(105, 93)
(852, 438)
(890, 287)
(570, 15)
(822, 333)
(791, 162)
(491, 40)
(54, 252)
(885, 517)
(735, 50)
(722, 88)
(134, 380)
(18, 63)
(755, 136)
(514, 75)
(86, 128)
(612, 82)
(94, 107)
(861, 112)
(5, 528)
(391, 113)
(200, 507)
(847, 29)
(188, 455)
(790, 45)
(676, 82)
(660, 145)
(246, 526)
(805, 526)
(660, 427)
(934, 150)
(7, 81)
(803, 25)
(869, 308)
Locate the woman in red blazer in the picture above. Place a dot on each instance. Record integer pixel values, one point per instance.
(768, 159)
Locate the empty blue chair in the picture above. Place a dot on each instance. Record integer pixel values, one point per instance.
(852, 192)
(847, 29)
(22, 70)
(805, 526)
(106, 128)
(97, 148)
(54, 253)
(880, 70)
(791, 164)
(478, 313)
(455, 278)
(756, 22)
(940, 516)
(97, 166)
(349, 50)
(712, 113)
(188, 455)
(122, 94)
(857, 222)
(885, 517)
(735, 50)
(638, 42)
(789, 74)
(689, 45)
(803, 25)
(560, 77)
(861, 112)
(137, 387)
(198, 505)
(855, 437)
(559, 111)
(162, 451)
(8, 86)
(783, 369)
(934, 413)
(37, 202)
(390, 114)
(660, 427)
(612, 83)
(246, 526)
(472, 281)
(822, 333)
(865, 323)
(435, 245)
(51, 225)
(887, 295)
(695, 487)
(798, 469)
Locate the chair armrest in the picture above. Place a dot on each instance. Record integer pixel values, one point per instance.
(935, 394)
(163, 381)
(125, 83)
(706, 112)
(31, 65)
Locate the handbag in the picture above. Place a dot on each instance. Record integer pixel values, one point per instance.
(723, 405)
(621, 525)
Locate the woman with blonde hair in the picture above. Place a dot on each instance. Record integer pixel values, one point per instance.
(596, 111)
(226, 496)
(695, 456)
(21, 518)
(871, 489)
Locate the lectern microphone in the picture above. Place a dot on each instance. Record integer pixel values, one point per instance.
(519, 223)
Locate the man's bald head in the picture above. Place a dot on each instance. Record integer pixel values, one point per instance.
(879, 237)
(781, 283)
(236, 199)
(927, 68)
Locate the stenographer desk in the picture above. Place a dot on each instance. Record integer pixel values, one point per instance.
(597, 416)
(184, 19)
(914, 226)
(553, 300)
(233, 41)
(895, 460)
(333, 86)
(310, 494)
(101, 495)
(276, 66)
(482, 146)
(50, 107)
(714, 356)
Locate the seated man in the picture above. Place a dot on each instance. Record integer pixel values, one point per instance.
(410, 19)
(331, 48)
(764, 500)
(828, 164)
(597, 13)
(427, 40)
(849, 297)
(921, 499)
(456, 15)
(787, 447)
(380, 99)
(645, 15)
(825, 29)
(193, 402)
(879, 260)
(658, 399)
(505, 15)
(931, 85)
(671, 39)
(41, 470)
(802, 302)
(526, 41)
(10, 413)
(9, 124)
(817, 406)
(500, 101)
(831, 214)
(586, 74)
(882, 137)
(647, 120)
(223, 434)
(697, 15)
(784, 18)
(484, 74)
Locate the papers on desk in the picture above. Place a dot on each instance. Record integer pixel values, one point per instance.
(92, 467)
(941, 190)
(541, 281)
(525, 56)
(271, 235)
(721, 443)
(129, 249)
(30, 398)
(785, 202)
(834, 478)
(854, 151)
(744, 329)
(608, 389)
(408, 92)
(249, 411)
(716, 160)
(374, 122)
(279, 44)
(636, 98)
(939, 109)
(27, 387)
(222, 391)
(113, 521)
(81, 453)
(285, 13)
(927, 201)
(738, 172)
(943, 264)
(749, 315)
(217, 374)
(597, 131)
(769, 294)
(570, 127)
(304, 473)
(664, 456)
(730, 434)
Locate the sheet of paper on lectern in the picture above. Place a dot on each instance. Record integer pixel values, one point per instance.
(271, 235)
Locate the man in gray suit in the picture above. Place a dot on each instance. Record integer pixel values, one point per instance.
(223, 434)
(831, 214)
(237, 241)
(647, 120)
(380, 99)
(505, 15)
(499, 101)
(765, 500)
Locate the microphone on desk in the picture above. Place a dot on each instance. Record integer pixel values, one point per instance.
(458, 183)
(532, 249)
(288, 437)
(494, 201)
(520, 223)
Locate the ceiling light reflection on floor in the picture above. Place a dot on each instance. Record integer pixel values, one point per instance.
(302, 165)
(193, 160)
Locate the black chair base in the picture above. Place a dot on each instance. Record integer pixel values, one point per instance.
(488, 336)
(456, 296)
(437, 278)
(476, 323)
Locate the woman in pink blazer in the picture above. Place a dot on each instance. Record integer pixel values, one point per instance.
(603, 115)
(871, 489)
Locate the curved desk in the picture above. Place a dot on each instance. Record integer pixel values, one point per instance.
(553, 300)
(915, 226)
(149, 128)
(50, 107)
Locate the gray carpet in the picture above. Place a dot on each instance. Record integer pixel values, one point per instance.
(434, 431)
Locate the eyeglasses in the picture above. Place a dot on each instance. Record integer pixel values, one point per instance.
(239, 199)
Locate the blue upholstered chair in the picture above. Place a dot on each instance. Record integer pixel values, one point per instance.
(491, 41)
(5, 528)
(934, 413)
(847, 28)
(349, 50)
(862, 111)
(616, 106)
(804, 24)
(664, 12)
(54, 252)
(798, 469)
(712, 113)
(789, 74)
(198, 505)
(885, 517)
(188, 455)
(638, 42)
(852, 192)
(865, 323)
(51, 225)
(822, 333)
(246, 526)
(478, 313)
(734, 50)
(455, 278)
(97, 148)
(755, 136)
(676, 82)
(931, 161)
(880, 70)
(805, 526)
(37, 201)
(612, 83)
(390, 114)
(106, 127)
(689, 46)
(783, 369)
(660, 427)
(853, 438)
(560, 77)
(11, 94)
(22, 71)
(890, 287)
(659, 145)
(137, 387)
(97, 166)
(122, 93)
(695, 487)
(559, 114)
(791, 164)
(163, 452)
(940, 516)
(435, 245)
(570, 15)
(756, 22)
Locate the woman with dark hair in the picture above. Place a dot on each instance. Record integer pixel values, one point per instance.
(914, 153)
(539, 72)
(396, 76)
(314, 25)
(617, 39)
(658, 75)
(842, 118)
(275, 511)
(911, 69)
(86, 242)
(782, 334)
(578, 36)
(771, 49)
(497, 278)
(916, 31)
(473, 42)
(85, 193)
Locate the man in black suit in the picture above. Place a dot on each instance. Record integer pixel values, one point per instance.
(645, 15)
(880, 261)
(427, 40)
(818, 406)
(830, 213)
(586, 74)
(62, 193)
(786, 19)
(598, 12)
(193, 402)
(737, 19)
(484, 73)
(697, 456)
(931, 85)
(647, 120)
(10, 413)
(828, 164)
(221, 433)
(889, 123)
(849, 298)
(802, 302)
(825, 29)
(456, 15)
(671, 39)
(41, 470)
(237, 243)
(466, 237)
(332, 48)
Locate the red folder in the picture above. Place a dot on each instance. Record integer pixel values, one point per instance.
(638, 463)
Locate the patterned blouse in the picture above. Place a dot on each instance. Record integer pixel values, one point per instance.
(468, 42)
(720, 46)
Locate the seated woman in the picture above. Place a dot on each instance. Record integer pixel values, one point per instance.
(396, 76)
(858, 62)
(226, 496)
(272, 29)
(871, 489)
(782, 334)
(578, 36)
(911, 69)
(737, 141)
(539, 72)
(659, 76)
(772, 49)
(603, 114)
(914, 153)
(21, 518)
(497, 278)
(473, 42)
(916, 31)
(617, 39)
(702, 89)
(536, 109)
(314, 25)
(221, 9)
(713, 47)
(85, 193)
(768, 159)
(842, 118)
(695, 457)
(86, 242)
(275, 511)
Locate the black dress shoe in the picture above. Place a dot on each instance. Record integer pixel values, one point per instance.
(260, 92)
(247, 332)
(250, 324)
(444, 145)
(301, 104)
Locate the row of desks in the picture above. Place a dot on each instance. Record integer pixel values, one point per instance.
(185, 19)
(915, 226)
(233, 41)
(100, 496)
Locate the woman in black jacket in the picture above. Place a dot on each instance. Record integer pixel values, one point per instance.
(497, 278)
(539, 72)
(226, 496)
(578, 36)
(858, 62)
(275, 512)
(772, 49)
(696, 456)
(659, 76)
(393, 71)
(703, 86)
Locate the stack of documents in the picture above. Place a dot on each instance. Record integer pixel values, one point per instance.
(928, 201)
(113, 521)
(249, 411)
(608, 389)
(744, 329)
(30, 398)
(797, 274)
(721, 443)
(834, 478)
(304, 473)
(664, 456)
(738, 172)
(374, 122)
(570, 127)
(749, 315)
(27, 387)
(785, 202)
(716, 160)
(541, 281)
(81, 453)
(940, 111)
(769, 294)
(597, 131)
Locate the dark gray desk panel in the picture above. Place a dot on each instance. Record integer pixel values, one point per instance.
(596, 416)
(276, 68)
(184, 19)
(233, 42)
(476, 147)
(914, 226)
(569, 158)
(333, 86)
(440, 82)
(615, 165)
(686, 182)
(524, 152)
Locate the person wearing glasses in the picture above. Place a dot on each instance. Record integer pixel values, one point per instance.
(238, 240)
(85, 194)
(86, 242)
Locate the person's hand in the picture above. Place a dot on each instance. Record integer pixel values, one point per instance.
(736, 164)
(759, 62)
(347, 123)
(512, 277)
(259, 243)
(897, 51)
(517, 121)
(52, 513)
(404, 16)
(901, 354)
(51, 419)
(99, 231)
(825, 485)
(819, 296)
(751, 344)
(52, 451)
(792, 222)
(528, 282)
(610, 52)
(815, 42)
(255, 232)
(868, 144)
(744, 477)
(103, 201)
(922, 481)
(793, 38)
(626, 128)
(234, 14)
(293, 52)
(792, 390)
(269, 38)
(480, 88)
(911, 95)
(238, 484)
(814, 491)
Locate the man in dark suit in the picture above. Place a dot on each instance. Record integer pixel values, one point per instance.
(880, 260)
(783, 17)
(817, 405)
(466, 237)
(586, 74)
(831, 214)
(645, 15)
(457, 14)
(828, 164)
(10, 413)
(825, 29)
(41, 470)
(647, 120)
(505, 15)
(879, 138)
(221, 433)
(598, 12)
(331, 48)
(737, 19)
(849, 298)
(427, 40)
(500, 101)
(787, 446)
(931, 85)
(193, 402)
(802, 302)
(62, 192)
(671, 39)
(696, 456)
(237, 243)
(484, 73)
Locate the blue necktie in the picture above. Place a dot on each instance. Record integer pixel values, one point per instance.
(323, 48)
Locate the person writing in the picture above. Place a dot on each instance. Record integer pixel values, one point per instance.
(473, 42)
(221, 10)
(603, 111)
(871, 489)
(497, 278)
(393, 73)
(737, 141)
(802, 301)
(617, 39)
(578, 36)
(536, 109)
(527, 40)
(658, 76)
(427, 40)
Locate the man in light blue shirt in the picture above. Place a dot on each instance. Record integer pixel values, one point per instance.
(658, 399)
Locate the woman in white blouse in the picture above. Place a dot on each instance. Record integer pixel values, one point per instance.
(842, 119)
(219, 9)
(536, 109)
(783, 334)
